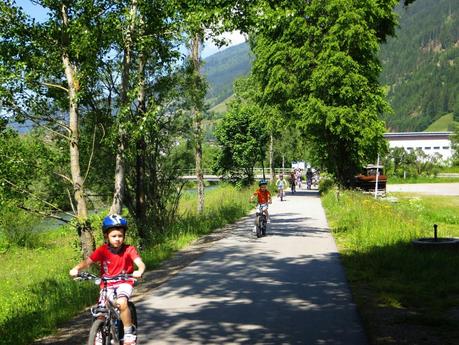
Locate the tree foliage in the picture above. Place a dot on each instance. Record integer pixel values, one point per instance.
(455, 145)
(317, 62)
(242, 137)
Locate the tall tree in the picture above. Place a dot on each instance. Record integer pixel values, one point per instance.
(197, 91)
(241, 135)
(129, 15)
(317, 61)
(205, 19)
(48, 70)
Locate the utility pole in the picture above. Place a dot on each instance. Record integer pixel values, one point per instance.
(377, 178)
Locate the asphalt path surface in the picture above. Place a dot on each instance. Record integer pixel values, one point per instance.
(286, 288)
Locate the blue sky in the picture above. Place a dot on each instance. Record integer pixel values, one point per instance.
(39, 13)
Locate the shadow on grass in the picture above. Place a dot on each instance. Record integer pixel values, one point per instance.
(406, 295)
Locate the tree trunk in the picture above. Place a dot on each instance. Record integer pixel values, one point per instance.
(118, 196)
(140, 159)
(83, 226)
(271, 156)
(197, 116)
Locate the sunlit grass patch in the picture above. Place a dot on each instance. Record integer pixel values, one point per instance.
(384, 269)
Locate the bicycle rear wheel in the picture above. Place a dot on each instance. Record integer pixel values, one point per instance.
(97, 334)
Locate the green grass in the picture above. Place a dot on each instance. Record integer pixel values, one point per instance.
(443, 124)
(452, 169)
(386, 272)
(36, 288)
(223, 106)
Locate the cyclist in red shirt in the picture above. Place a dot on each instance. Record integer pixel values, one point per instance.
(115, 257)
(263, 197)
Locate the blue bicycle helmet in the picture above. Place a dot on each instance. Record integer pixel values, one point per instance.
(262, 182)
(113, 221)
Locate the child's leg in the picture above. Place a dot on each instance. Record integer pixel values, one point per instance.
(125, 313)
(124, 292)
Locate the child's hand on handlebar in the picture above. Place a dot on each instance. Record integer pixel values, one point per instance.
(73, 272)
(137, 274)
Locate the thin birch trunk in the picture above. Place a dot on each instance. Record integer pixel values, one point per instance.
(120, 170)
(140, 159)
(197, 116)
(271, 155)
(83, 227)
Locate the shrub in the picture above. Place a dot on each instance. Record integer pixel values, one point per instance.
(16, 228)
(326, 182)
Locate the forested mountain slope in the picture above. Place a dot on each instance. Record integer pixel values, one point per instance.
(421, 65)
(223, 68)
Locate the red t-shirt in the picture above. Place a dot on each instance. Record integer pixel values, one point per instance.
(112, 264)
(263, 196)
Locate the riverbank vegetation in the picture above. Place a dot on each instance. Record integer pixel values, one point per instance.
(404, 294)
(38, 292)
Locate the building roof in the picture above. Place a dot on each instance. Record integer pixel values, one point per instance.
(418, 135)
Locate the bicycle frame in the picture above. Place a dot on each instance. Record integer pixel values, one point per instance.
(110, 331)
(260, 221)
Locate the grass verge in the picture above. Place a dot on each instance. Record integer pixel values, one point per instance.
(405, 295)
(37, 293)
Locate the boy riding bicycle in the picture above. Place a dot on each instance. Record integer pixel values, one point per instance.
(263, 197)
(116, 257)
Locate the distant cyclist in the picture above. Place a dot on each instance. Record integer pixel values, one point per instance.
(309, 176)
(292, 181)
(263, 197)
(281, 183)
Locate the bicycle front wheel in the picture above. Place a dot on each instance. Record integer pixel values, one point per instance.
(97, 334)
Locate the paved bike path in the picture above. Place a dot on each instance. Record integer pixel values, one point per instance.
(286, 288)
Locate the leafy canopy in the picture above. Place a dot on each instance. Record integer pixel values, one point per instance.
(317, 62)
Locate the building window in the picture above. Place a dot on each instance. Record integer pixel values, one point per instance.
(436, 147)
(445, 147)
(419, 148)
(427, 148)
(409, 148)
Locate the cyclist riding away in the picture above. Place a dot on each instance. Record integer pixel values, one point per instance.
(263, 197)
(115, 257)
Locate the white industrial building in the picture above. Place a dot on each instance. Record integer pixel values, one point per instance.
(429, 142)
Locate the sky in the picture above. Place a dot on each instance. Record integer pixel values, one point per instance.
(235, 37)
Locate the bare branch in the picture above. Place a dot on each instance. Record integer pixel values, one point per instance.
(91, 156)
(38, 123)
(57, 86)
(71, 202)
(36, 120)
(35, 197)
(49, 215)
(68, 179)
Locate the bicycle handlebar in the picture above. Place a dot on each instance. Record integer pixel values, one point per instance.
(90, 276)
